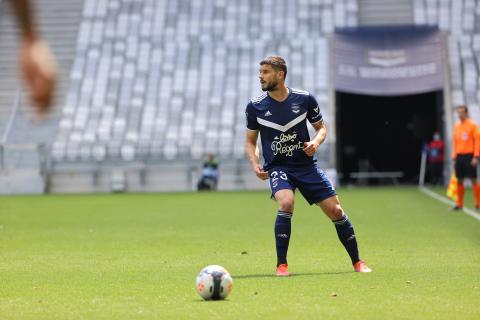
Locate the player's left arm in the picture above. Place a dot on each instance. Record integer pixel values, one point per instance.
(315, 117)
(476, 146)
(311, 147)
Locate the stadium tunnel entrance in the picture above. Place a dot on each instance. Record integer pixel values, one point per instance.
(379, 138)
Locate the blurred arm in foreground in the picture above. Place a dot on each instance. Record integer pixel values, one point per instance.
(38, 65)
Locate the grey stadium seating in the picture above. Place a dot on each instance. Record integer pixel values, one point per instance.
(460, 19)
(171, 79)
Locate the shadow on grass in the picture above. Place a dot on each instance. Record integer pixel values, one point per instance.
(210, 301)
(305, 274)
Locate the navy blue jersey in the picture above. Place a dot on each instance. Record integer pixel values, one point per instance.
(283, 126)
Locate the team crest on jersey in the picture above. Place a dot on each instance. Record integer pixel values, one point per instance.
(295, 107)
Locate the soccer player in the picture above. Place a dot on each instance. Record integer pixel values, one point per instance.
(466, 144)
(38, 64)
(280, 115)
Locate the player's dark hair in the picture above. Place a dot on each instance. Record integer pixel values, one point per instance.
(277, 63)
(464, 107)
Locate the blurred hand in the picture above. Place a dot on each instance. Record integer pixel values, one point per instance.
(260, 172)
(39, 70)
(310, 148)
(474, 162)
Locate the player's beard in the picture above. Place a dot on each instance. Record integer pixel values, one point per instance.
(271, 86)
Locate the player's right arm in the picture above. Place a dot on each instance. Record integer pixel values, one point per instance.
(251, 142)
(252, 154)
(37, 62)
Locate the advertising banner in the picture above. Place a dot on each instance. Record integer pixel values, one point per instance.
(388, 61)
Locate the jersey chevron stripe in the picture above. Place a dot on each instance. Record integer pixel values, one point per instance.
(279, 127)
(298, 91)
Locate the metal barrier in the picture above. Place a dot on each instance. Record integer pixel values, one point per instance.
(13, 115)
(23, 156)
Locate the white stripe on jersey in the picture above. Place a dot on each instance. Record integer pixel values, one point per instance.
(279, 127)
(259, 98)
(298, 91)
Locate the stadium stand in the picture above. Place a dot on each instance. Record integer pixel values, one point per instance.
(385, 12)
(21, 137)
(168, 80)
(58, 22)
(460, 20)
(147, 85)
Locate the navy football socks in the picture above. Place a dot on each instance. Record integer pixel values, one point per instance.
(282, 235)
(346, 234)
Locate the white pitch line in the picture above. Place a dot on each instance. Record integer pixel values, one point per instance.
(445, 200)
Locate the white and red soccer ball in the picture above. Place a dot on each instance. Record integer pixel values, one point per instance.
(214, 283)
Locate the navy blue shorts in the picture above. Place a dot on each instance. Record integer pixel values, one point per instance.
(310, 180)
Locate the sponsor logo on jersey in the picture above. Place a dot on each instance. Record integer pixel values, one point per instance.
(286, 144)
(268, 113)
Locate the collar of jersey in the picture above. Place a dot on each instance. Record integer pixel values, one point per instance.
(288, 96)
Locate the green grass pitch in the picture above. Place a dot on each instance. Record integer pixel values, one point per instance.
(137, 256)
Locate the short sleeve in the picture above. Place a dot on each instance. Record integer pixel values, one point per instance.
(252, 123)
(313, 114)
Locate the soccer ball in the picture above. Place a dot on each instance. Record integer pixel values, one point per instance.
(214, 283)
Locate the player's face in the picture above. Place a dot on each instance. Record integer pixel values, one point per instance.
(269, 78)
(462, 114)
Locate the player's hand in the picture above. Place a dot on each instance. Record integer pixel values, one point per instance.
(474, 162)
(39, 70)
(261, 174)
(310, 148)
